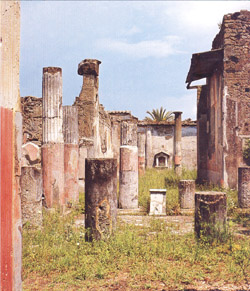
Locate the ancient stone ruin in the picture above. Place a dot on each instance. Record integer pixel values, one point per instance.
(223, 104)
(48, 150)
(71, 134)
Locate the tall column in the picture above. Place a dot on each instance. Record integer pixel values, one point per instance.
(128, 195)
(149, 151)
(128, 177)
(53, 145)
(177, 142)
(141, 152)
(100, 198)
(10, 148)
(71, 153)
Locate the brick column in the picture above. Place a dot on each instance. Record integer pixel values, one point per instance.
(10, 148)
(53, 146)
(71, 154)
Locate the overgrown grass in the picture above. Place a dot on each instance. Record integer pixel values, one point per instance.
(147, 257)
(163, 179)
(144, 254)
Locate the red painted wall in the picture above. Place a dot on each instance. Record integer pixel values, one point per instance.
(6, 190)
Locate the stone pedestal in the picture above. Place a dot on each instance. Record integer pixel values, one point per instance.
(210, 214)
(244, 187)
(31, 197)
(100, 198)
(186, 193)
(157, 202)
(128, 195)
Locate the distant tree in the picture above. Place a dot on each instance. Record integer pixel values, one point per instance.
(159, 115)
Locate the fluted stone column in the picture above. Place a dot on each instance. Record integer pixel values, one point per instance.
(100, 198)
(244, 187)
(141, 152)
(177, 142)
(128, 195)
(186, 193)
(53, 144)
(10, 148)
(71, 154)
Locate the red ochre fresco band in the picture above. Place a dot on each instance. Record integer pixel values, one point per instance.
(6, 190)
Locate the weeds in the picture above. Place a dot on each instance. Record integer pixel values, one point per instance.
(141, 257)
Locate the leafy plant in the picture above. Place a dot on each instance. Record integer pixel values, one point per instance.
(159, 115)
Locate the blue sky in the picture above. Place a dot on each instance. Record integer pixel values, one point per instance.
(145, 48)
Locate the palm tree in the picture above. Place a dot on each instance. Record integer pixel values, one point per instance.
(160, 115)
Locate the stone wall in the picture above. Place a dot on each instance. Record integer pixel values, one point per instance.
(160, 138)
(32, 119)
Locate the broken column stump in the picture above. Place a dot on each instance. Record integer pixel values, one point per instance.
(128, 195)
(186, 193)
(31, 197)
(100, 198)
(244, 187)
(210, 214)
(157, 202)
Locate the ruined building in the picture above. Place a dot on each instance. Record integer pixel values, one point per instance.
(223, 104)
(102, 133)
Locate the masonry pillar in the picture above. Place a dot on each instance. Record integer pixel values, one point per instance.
(53, 145)
(186, 193)
(149, 149)
(210, 214)
(177, 142)
(244, 187)
(141, 152)
(100, 198)
(71, 154)
(128, 195)
(88, 104)
(10, 148)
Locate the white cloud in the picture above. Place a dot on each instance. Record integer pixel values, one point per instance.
(185, 103)
(143, 49)
(201, 16)
(131, 31)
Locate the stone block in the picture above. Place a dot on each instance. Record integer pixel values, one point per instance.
(157, 202)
